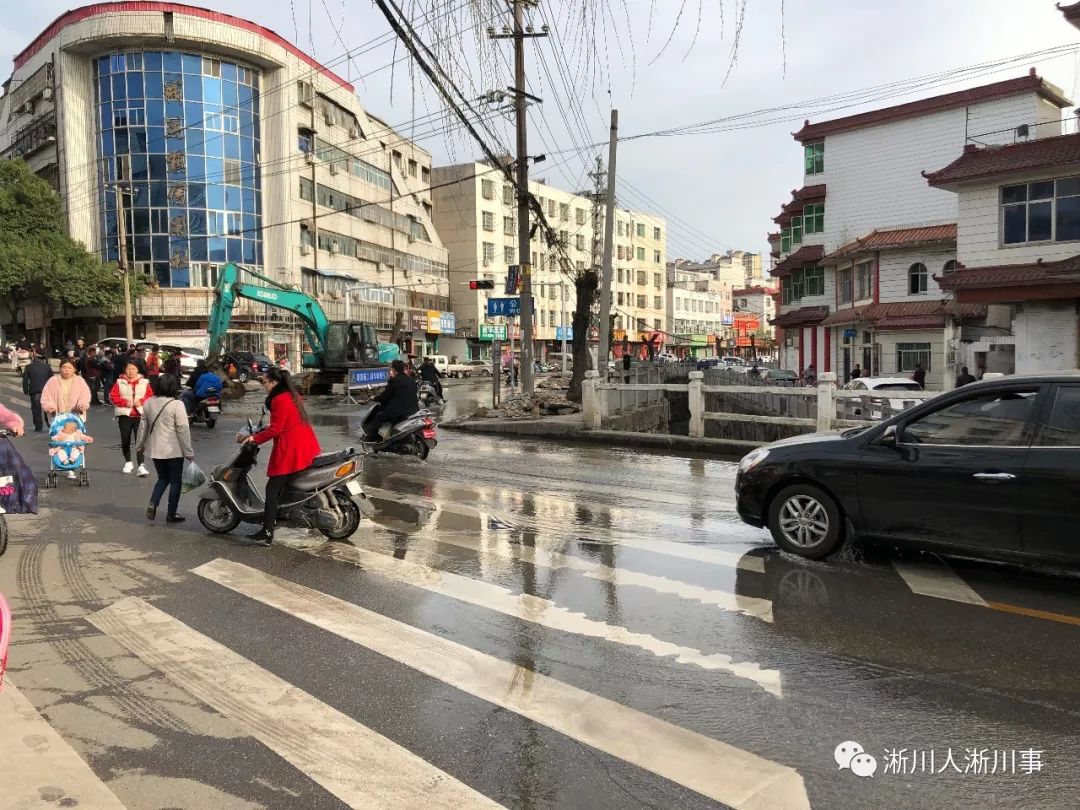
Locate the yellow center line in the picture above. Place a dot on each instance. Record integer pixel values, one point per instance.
(1035, 614)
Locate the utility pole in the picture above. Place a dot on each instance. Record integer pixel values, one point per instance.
(609, 238)
(122, 261)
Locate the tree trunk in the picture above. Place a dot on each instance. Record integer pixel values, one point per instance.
(585, 288)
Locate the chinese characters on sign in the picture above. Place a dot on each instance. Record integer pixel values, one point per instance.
(973, 761)
(503, 306)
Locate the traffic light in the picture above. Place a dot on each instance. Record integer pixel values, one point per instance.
(481, 284)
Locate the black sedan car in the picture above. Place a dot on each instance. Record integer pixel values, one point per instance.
(991, 469)
(248, 365)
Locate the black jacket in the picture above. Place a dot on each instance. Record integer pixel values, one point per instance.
(399, 398)
(429, 373)
(35, 376)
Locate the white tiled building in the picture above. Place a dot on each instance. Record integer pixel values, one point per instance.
(699, 312)
(863, 239)
(224, 130)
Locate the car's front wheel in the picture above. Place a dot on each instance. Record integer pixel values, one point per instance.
(805, 520)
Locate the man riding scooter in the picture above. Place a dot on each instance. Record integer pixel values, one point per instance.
(396, 401)
(430, 374)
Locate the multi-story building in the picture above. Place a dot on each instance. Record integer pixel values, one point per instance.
(235, 146)
(1018, 247)
(475, 214)
(699, 315)
(753, 309)
(864, 240)
(737, 268)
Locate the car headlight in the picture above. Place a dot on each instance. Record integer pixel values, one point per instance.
(752, 459)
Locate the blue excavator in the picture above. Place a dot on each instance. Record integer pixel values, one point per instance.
(336, 349)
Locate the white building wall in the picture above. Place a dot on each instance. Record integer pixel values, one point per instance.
(979, 233)
(1046, 336)
(894, 266)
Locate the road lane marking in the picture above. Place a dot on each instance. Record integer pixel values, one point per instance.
(40, 769)
(938, 580)
(533, 609)
(1064, 618)
(747, 605)
(686, 551)
(359, 766)
(714, 769)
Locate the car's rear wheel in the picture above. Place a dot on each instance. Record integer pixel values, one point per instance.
(242, 376)
(804, 520)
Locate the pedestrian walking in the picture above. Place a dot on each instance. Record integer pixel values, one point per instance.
(919, 375)
(626, 368)
(165, 437)
(153, 362)
(965, 377)
(128, 396)
(810, 375)
(856, 372)
(65, 393)
(35, 376)
(91, 372)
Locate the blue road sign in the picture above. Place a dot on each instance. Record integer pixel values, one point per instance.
(368, 377)
(504, 306)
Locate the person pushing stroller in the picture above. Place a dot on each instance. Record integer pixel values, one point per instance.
(67, 448)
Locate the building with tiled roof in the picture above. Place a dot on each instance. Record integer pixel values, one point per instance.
(864, 239)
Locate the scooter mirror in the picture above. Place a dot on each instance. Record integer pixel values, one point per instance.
(250, 426)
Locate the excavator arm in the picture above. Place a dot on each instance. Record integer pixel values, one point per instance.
(229, 290)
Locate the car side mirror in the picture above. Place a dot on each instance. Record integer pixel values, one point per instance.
(889, 437)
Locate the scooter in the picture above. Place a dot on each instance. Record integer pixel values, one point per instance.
(326, 496)
(412, 436)
(207, 411)
(429, 395)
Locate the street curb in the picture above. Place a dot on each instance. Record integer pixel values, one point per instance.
(561, 431)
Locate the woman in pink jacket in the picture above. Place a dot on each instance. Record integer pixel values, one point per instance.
(67, 393)
(11, 421)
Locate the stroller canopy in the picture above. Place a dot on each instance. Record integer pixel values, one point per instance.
(56, 427)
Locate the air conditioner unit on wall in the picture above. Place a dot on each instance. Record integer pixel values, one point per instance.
(354, 133)
(305, 250)
(333, 168)
(328, 117)
(309, 157)
(334, 248)
(47, 94)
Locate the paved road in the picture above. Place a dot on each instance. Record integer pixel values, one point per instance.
(522, 624)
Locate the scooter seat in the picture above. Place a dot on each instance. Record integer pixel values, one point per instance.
(331, 459)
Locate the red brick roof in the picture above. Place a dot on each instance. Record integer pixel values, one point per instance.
(895, 239)
(993, 161)
(807, 254)
(1066, 271)
(754, 291)
(906, 314)
(799, 197)
(1010, 87)
(772, 237)
(807, 316)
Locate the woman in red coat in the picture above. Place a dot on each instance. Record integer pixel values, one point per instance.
(295, 444)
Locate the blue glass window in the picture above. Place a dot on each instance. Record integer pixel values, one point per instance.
(161, 272)
(235, 250)
(197, 171)
(159, 193)
(228, 71)
(153, 82)
(232, 198)
(211, 90)
(181, 277)
(217, 248)
(172, 62)
(195, 144)
(192, 64)
(134, 85)
(228, 94)
(103, 66)
(119, 87)
(104, 89)
(198, 249)
(152, 60)
(161, 248)
(232, 146)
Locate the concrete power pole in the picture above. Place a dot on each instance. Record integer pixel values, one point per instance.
(524, 249)
(609, 238)
(122, 262)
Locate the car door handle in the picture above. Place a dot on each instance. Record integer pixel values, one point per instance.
(995, 476)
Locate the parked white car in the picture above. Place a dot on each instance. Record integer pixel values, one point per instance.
(884, 397)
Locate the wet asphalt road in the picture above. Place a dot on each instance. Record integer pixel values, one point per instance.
(643, 589)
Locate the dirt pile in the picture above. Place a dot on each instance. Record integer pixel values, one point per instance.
(549, 402)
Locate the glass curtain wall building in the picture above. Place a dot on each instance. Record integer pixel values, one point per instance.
(181, 131)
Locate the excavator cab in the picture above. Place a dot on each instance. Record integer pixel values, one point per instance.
(351, 345)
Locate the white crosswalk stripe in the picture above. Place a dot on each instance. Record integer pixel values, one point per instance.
(686, 551)
(933, 577)
(39, 769)
(541, 558)
(357, 765)
(535, 610)
(723, 772)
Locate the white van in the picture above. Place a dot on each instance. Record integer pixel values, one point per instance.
(442, 363)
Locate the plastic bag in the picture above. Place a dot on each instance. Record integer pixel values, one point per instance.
(193, 477)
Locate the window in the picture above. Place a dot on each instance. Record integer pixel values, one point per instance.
(658, 281)
(551, 208)
(797, 285)
(508, 255)
(425, 174)
(1062, 427)
(949, 266)
(1043, 211)
(414, 168)
(864, 272)
(487, 189)
(814, 218)
(785, 290)
(656, 234)
(815, 157)
(642, 278)
(641, 229)
(656, 323)
(508, 195)
(619, 252)
(656, 257)
(813, 281)
(307, 191)
(620, 276)
(999, 419)
(564, 212)
(910, 355)
(488, 220)
(620, 299)
(489, 252)
(917, 276)
(641, 254)
(796, 230)
(785, 239)
(508, 226)
(657, 302)
(844, 282)
(641, 302)
(579, 241)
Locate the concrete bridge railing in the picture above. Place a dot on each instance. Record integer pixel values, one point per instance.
(825, 407)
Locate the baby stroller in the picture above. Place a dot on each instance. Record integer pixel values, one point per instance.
(75, 451)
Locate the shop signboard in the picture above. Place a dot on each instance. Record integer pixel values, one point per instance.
(503, 307)
(493, 331)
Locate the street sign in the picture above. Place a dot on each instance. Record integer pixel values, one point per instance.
(368, 377)
(503, 306)
(569, 330)
(493, 331)
(513, 279)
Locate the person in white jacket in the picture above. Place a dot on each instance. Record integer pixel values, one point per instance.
(165, 437)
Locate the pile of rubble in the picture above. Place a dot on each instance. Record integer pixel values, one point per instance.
(518, 406)
(558, 381)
